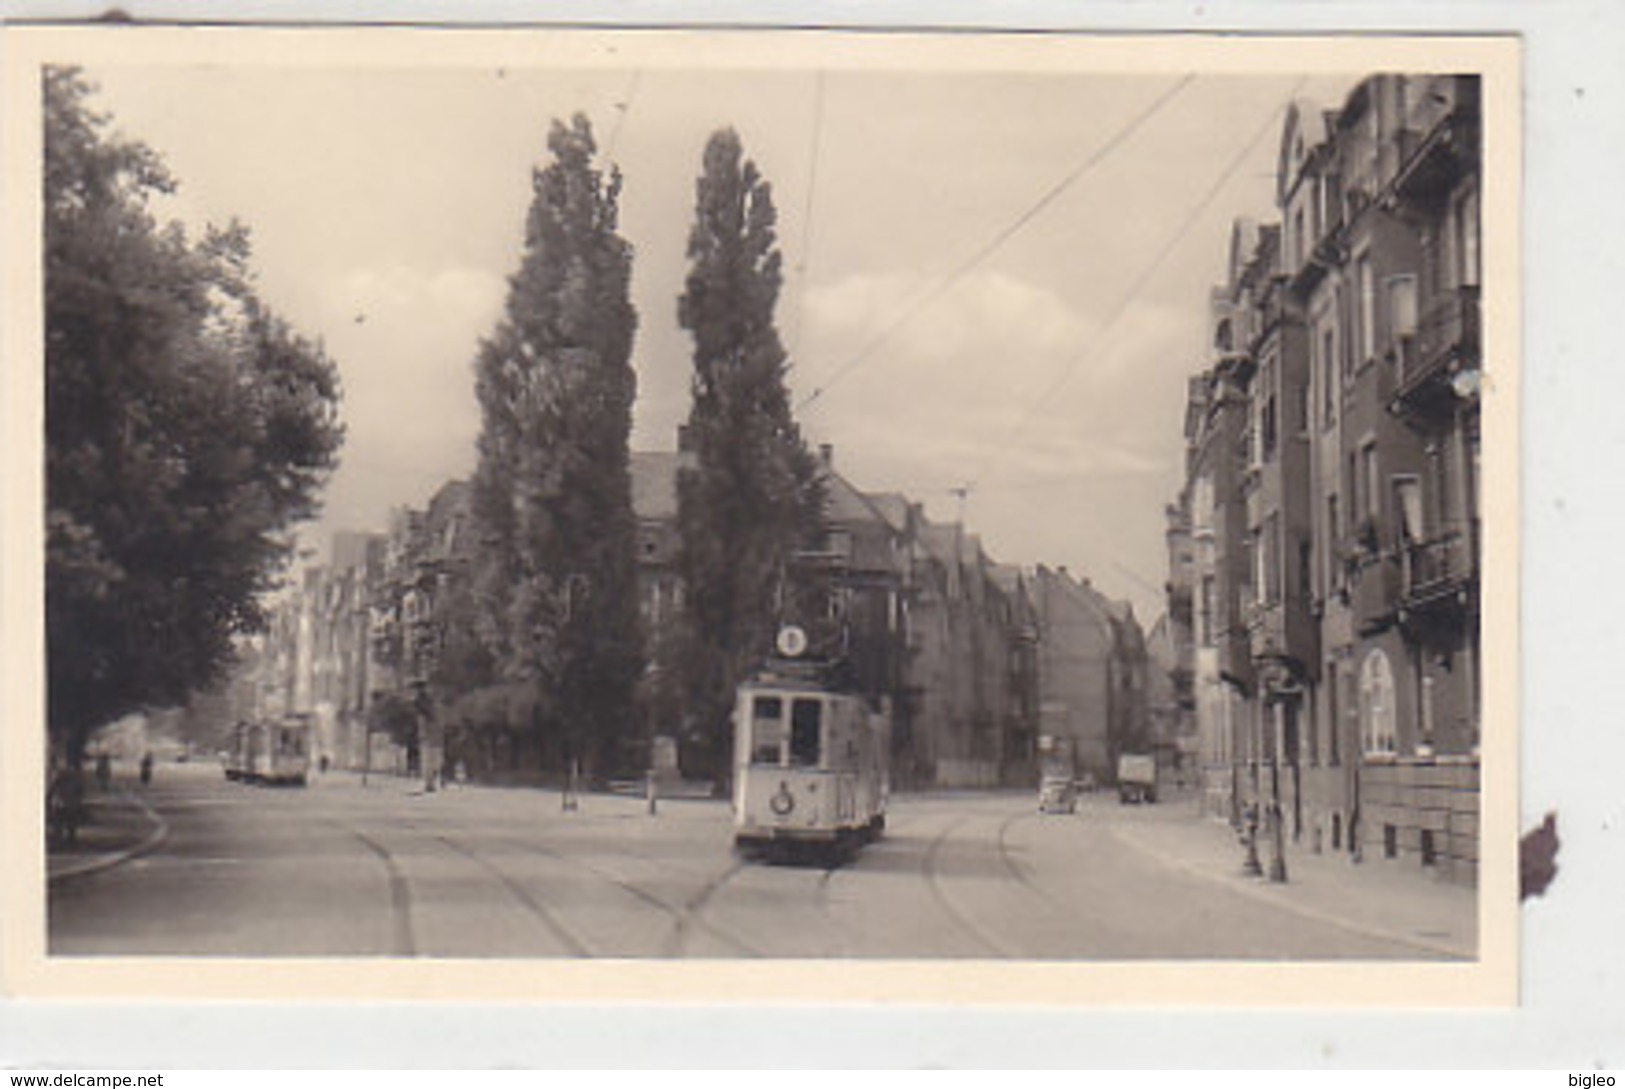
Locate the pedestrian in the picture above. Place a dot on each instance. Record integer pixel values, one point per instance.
(65, 806)
(146, 768)
(104, 771)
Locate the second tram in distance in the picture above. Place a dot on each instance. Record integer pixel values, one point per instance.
(266, 752)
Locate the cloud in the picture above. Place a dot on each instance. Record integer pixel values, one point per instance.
(921, 323)
(999, 378)
(403, 338)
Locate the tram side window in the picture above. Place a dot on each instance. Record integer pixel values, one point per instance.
(805, 719)
(766, 730)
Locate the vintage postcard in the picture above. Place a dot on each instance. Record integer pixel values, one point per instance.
(761, 515)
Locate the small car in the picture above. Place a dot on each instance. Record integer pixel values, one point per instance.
(1057, 794)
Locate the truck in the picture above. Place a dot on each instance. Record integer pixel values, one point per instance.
(1136, 778)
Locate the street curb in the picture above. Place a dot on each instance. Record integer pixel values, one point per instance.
(1263, 895)
(80, 868)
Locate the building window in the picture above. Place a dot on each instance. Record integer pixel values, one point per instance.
(1469, 238)
(1461, 242)
(1370, 480)
(1377, 718)
(1204, 613)
(1269, 574)
(1408, 509)
(1266, 423)
(1256, 547)
(1306, 567)
(1401, 312)
(1367, 325)
(1334, 541)
(1328, 376)
(1334, 748)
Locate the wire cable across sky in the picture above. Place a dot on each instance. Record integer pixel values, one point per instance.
(1143, 280)
(998, 240)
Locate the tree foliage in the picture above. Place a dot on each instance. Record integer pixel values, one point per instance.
(556, 577)
(752, 496)
(187, 427)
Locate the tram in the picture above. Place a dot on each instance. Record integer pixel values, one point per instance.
(810, 762)
(276, 753)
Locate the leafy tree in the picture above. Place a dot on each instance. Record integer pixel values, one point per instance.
(186, 425)
(556, 575)
(752, 496)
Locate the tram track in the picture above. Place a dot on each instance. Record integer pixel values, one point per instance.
(694, 911)
(930, 865)
(565, 936)
(402, 939)
(686, 917)
(1014, 868)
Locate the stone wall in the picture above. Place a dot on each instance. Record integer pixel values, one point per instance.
(1422, 812)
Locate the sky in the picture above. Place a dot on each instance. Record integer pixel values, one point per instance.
(995, 282)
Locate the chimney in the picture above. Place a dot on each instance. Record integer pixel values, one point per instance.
(826, 455)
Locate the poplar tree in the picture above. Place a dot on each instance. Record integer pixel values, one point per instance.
(555, 570)
(751, 496)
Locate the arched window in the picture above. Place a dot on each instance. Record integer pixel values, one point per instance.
(1377, 730)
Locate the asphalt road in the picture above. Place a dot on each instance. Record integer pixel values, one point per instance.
(341, 870)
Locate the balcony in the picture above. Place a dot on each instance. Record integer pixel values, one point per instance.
(1439, 574)
(1374, 592)
(1446, 342)
(1266, 628)
(1439, 142)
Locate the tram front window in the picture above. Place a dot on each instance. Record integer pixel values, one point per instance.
(805, 719)
(767, 730)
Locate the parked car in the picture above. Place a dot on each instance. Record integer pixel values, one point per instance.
(1057, 794)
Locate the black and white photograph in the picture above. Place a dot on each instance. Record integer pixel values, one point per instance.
(802, 500)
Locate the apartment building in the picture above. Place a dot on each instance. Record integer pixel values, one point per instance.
(1333, 444)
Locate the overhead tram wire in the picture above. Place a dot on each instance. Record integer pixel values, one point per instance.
(1144, 279)
(992, 246)
(807, 211)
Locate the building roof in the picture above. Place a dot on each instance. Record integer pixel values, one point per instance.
(844, 503)
(1008, 577)
(893, 507)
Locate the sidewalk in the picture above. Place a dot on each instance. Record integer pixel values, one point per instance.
(117, 827)
(1383, 899)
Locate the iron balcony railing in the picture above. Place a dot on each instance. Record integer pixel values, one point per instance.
(1448, 330)
(1436, 566)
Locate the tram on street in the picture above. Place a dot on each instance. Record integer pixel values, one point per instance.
(811, 772)
(276, 753)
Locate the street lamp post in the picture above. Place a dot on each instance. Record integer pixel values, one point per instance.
(1277, 872)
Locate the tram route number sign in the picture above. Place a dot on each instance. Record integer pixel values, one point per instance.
(792, 641)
